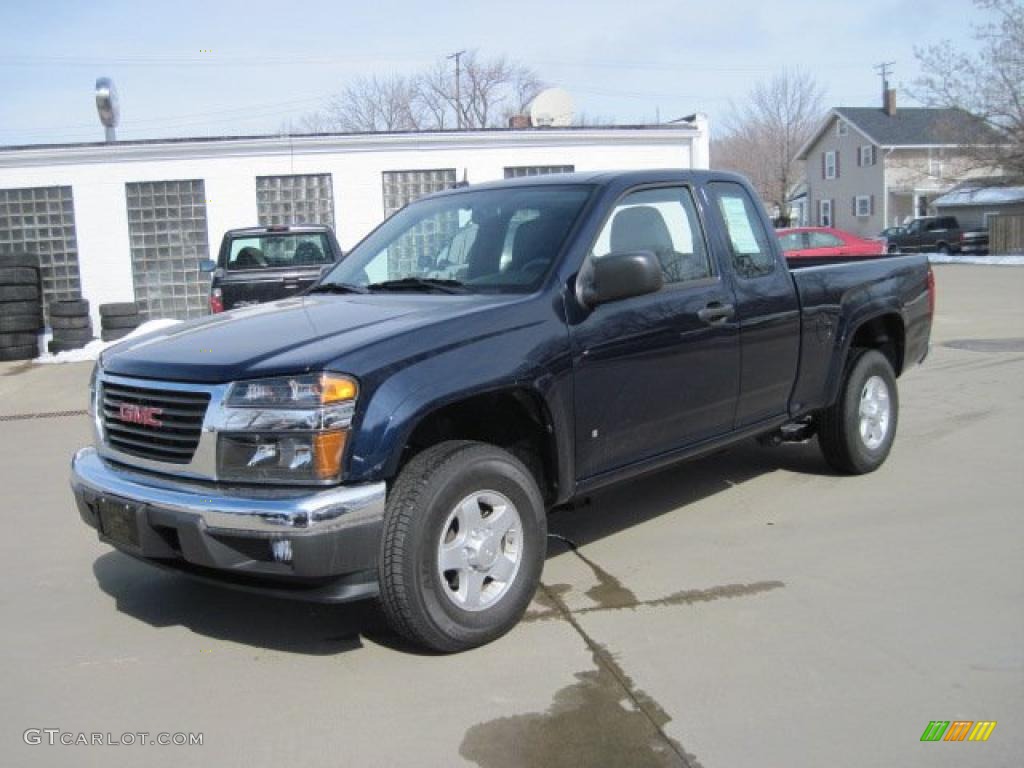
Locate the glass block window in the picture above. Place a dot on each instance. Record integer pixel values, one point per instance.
(168, 237)
(299, 199)
(41, 221)
(402, 187)
(515, 171)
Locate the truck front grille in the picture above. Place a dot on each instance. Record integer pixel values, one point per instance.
(155, 424)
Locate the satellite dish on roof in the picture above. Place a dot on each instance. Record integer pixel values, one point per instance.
(107, 105)
(552, 107)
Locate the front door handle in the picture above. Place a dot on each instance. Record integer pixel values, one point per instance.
(716, 312)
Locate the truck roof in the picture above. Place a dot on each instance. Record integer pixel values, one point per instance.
(277, 229)
(601, 178)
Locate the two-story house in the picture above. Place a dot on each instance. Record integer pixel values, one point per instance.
(868, 169)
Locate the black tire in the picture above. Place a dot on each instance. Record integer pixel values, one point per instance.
(19, 276)
(19, 260)
(65, 323)
(8, 308)
(18, 339)
(20, 323)
(69, 308)
(19, 292)
(419, 503)
(113, 334)
(119, 309)
(121, 321)
(944, 249)
(839, 433)
(27, 352)
(892, 250)
(73, 335)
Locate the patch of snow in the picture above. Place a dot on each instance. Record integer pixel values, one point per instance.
(1010, 260)
(92, 350)
(981, 196)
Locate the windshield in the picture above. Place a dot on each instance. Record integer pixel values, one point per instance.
(279, 251)
(485, 240)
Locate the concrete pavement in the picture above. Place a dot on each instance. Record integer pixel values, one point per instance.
(748, 609)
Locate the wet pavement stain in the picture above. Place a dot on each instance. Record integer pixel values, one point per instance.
(987, 345)
(600, 720)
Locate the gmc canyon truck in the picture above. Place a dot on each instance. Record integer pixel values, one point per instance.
(483, 356)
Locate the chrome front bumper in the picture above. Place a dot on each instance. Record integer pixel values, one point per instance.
(226, 532)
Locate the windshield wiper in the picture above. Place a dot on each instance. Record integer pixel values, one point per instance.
(337, 288)
(419, 284)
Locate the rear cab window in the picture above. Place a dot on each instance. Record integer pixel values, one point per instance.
(289, 250)
(748, 242)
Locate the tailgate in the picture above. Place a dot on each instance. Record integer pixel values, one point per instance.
(256, 286)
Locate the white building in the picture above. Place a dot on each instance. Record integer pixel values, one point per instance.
(129, 221)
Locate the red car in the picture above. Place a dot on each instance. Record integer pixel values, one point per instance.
(825, 242)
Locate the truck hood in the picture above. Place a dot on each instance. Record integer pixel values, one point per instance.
(283, 337)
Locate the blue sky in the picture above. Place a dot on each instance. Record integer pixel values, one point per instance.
(273, 60)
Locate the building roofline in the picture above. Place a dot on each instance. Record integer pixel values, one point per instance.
(833, 113)
(154, 149)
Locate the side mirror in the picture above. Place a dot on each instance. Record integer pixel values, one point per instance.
(207, 265)
(619, 276)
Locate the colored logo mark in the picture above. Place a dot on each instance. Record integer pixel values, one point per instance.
(958, 730)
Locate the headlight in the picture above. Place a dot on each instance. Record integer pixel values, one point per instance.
(296, 458)
(289, 429)
(306, 391)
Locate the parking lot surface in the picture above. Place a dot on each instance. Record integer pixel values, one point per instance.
(748, 609)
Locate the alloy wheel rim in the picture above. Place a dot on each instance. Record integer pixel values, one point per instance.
(480, 550)
(875, 412)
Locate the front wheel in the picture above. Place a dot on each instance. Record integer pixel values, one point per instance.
(463, 547)
(856, 432)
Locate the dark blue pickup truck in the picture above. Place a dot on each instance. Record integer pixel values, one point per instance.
(487, 354)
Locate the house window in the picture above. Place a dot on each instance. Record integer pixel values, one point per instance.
(862, 206)
(824, 213)
(830, 165)
(167, 237)
(934, 166)
(41, 221)
(298, 199)
(402, 187)
(842, 128)
(515, 171)
(867, 155)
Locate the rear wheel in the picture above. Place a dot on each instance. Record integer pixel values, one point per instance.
(943, 249)
(856, 433)
(463, 546)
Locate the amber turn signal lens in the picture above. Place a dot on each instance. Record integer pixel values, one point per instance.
(336, 389)
(328, 448)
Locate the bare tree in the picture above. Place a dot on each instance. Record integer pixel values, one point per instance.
(372, 104)
(763, 135)
(490, 91)
(988, 84)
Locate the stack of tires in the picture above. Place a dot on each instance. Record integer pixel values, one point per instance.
(119, 319)
(21, 315)
(72, 328)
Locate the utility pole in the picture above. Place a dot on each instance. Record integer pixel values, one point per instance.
(884, 70)
(458, 94)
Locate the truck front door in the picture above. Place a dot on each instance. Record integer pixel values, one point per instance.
(657, 372)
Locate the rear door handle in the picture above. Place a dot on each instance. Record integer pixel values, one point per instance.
(716, 312)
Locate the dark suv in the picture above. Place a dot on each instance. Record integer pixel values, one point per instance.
(259, 264)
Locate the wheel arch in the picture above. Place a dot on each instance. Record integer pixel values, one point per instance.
(516, 418)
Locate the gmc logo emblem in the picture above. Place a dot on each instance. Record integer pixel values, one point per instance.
(140, 414)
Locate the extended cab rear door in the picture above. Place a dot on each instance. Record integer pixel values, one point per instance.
(657, 372)
(767, 306)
